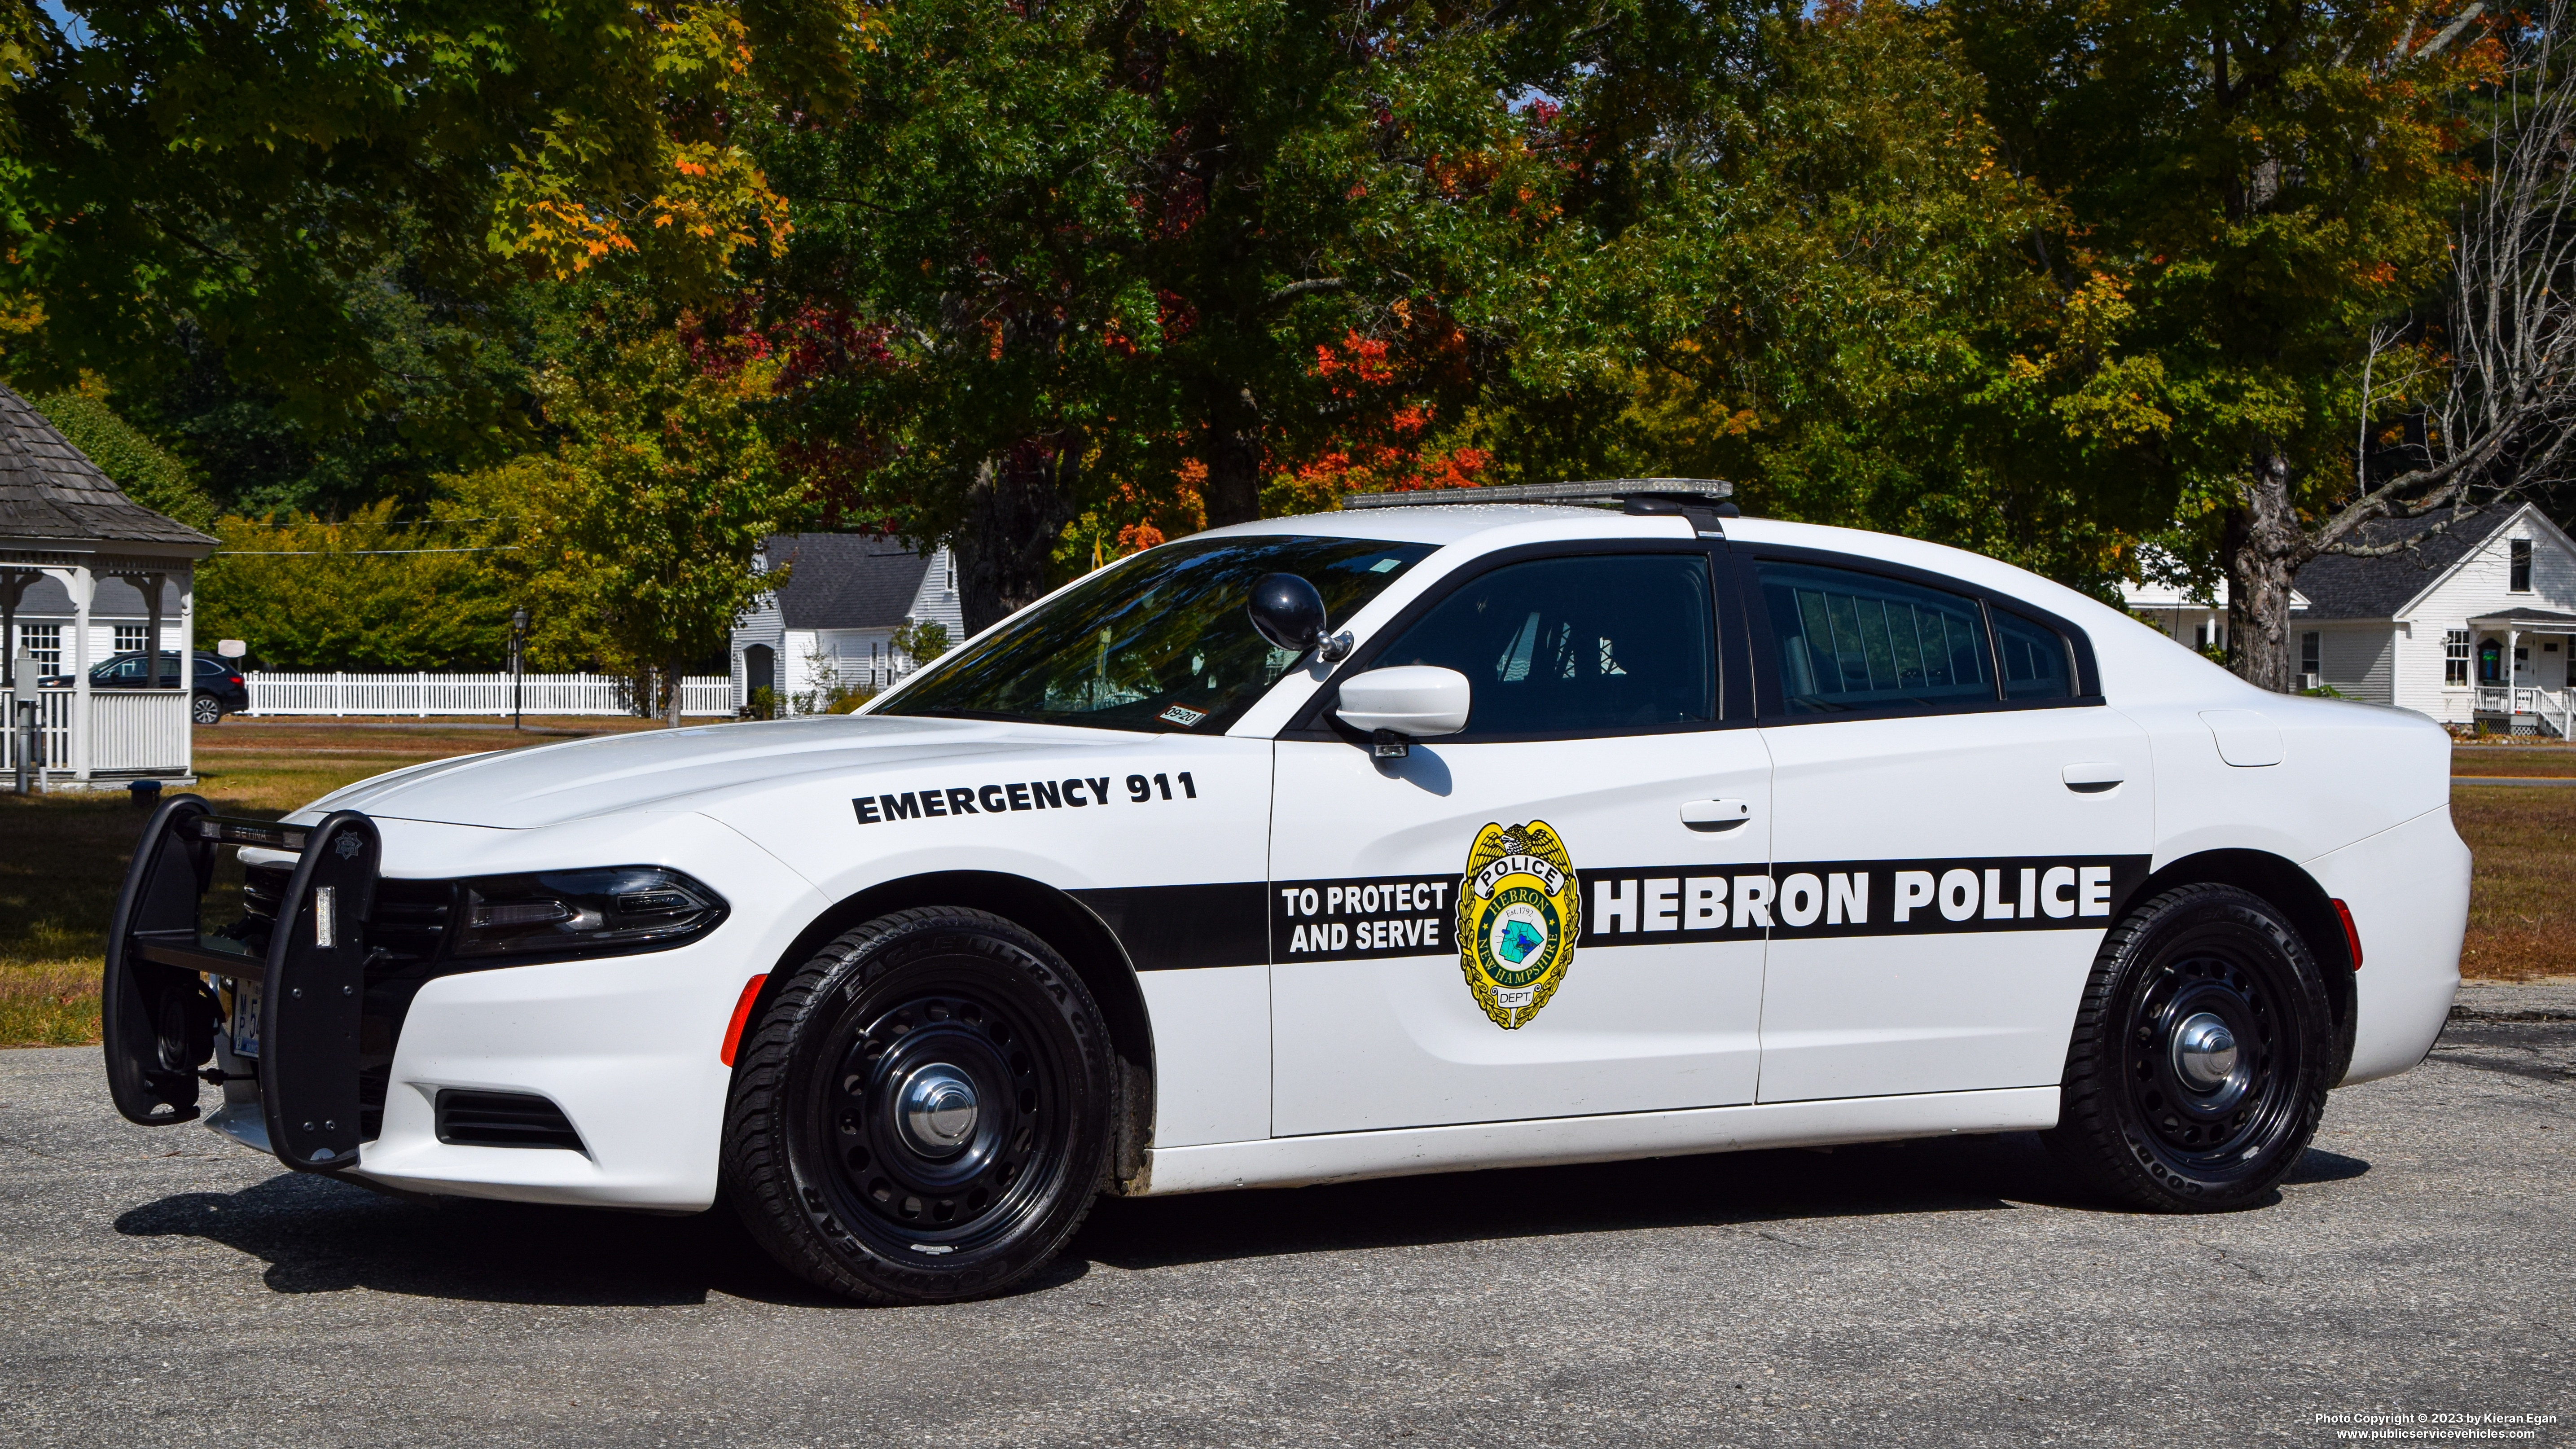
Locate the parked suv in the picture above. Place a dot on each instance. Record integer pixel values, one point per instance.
(219, 689)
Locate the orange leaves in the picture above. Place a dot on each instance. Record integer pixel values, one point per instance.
(1361, 360)
(571, 199)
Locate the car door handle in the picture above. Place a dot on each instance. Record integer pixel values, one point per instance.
(1716, 814)
(2094, 779)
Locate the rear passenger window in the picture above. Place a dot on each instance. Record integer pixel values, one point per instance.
(1576, 645)
(2036, 662)
(1853, 641)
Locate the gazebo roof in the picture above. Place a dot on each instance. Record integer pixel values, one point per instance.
(52, 495)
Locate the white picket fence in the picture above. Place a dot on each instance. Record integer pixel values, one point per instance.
(422, 694)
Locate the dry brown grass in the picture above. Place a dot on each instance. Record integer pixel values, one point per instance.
(2549, 759)
(2522, 899)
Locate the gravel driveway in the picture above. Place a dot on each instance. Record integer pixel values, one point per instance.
(163, 1288)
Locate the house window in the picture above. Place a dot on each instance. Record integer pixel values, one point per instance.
(2455, 656)
(2521, 566)
(129, 638)
(43, 643)
(2310, 647)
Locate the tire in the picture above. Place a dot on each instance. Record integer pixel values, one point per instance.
(205, 709)
(2153, 1114)
(923, 1112)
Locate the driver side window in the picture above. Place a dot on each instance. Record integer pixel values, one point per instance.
(1576, 646)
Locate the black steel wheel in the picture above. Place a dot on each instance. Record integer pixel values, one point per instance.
(922, 1112)
(2197, 1073)
(205, 709)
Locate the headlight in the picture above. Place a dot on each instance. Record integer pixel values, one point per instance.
(581, 911)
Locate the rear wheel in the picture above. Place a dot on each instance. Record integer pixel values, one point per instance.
(922, 1115)
(2197, 1073)
(206, 709)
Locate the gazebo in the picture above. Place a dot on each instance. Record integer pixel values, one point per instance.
(65, 529)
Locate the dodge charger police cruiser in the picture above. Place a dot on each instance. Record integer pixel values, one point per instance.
(1459, 832)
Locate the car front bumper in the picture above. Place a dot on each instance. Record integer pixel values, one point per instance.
(628, 1048)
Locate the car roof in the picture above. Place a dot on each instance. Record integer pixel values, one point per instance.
(1482, 526)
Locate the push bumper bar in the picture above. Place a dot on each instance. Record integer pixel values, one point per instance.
(159, 1017)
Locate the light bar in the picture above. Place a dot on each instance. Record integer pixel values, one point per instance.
(1595, 493)
(252, 832)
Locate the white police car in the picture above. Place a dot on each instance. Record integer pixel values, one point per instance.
(1387, 841)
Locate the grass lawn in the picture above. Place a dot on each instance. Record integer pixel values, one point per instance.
(62, 856)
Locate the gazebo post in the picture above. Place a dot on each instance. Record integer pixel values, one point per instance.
(84, 586)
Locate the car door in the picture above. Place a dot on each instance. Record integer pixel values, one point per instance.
(1517, 921)
(1942, 762)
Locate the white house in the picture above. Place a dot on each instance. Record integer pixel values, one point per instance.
(2475, 623)
(834, 620)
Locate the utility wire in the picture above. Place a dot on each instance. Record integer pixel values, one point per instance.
(338, 553)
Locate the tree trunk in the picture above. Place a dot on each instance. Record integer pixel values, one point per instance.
(1016, 510)
(1234, 467)
(2264, 545)
(672, 721)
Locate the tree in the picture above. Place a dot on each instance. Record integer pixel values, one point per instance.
(2498, 412)
(248, 172)
(1105, 251)
(1801, 272)
(2255, 200)
(921, 640)
(368, 591)
(639, 532)
(146, 471)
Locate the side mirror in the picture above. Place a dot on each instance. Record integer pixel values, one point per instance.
(1404, 702)
(1287, 611)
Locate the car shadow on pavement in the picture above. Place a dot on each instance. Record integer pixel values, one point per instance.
(322, 1236)
(1740, 1189)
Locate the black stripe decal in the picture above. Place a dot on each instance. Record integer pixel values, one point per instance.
(1176, 927)
(1359, 918)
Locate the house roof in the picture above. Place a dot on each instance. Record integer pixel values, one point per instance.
(845, 580)
(2340, 586)
(50, 490)
(2517, 618)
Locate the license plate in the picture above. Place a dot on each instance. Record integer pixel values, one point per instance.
(246, 1018)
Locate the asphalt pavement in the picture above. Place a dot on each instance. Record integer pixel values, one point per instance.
(159, 1287)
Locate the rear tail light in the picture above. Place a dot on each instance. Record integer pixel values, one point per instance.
(2351, 933)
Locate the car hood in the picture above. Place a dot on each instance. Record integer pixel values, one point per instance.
(686, 769)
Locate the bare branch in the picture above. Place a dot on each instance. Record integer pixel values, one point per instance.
(1299, 289)
(2442, 42)
(2507, 416)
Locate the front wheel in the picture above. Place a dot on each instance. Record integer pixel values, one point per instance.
(2198, 1068)
(205, 709)
(922, 1114)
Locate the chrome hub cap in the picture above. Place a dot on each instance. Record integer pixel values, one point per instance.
(937, 1104)
(2211, 1074)
(2204, 1052)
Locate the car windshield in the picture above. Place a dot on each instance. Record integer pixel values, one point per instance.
(1161, 642)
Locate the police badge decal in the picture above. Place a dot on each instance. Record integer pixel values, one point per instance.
(1520, 908)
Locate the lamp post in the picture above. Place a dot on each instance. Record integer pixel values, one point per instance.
(518, 662)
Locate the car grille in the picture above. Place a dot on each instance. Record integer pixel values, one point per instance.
(406, 929)
(503, 1119)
